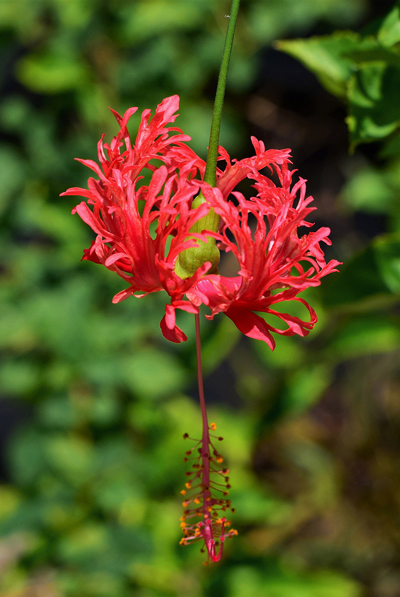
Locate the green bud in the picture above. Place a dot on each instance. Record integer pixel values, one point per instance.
(191, 259)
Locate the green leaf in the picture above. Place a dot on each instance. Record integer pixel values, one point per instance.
(26, 456)
(152, 374)
(51, 72)
(389, 32)
(371, 51)
(146, 19)
(93, 584)
(279, 582)
(71, 456)
(387, 258)
(391, 147)
(374, 109)
(305, 387)
(19, 377)
(326, 57)
(13, 174)
(219, 343)
(369, 191)
(97, 547)
(9, 501)
(57, 412)
(363, 70)
(365, 335)
(86, 541)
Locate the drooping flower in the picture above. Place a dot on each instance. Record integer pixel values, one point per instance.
(142, 228)
(142, 209)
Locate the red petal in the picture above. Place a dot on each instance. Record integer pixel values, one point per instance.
(251, 325)
(121, 296)
(168, 327)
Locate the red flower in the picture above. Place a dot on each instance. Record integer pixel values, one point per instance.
(276, 264)
(142, 228)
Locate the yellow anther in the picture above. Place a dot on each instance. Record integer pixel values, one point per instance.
(188, 485)
(220, 459)
(196, 500)
(183, 525)
(213, 426)
(185, 503)
(183, 492)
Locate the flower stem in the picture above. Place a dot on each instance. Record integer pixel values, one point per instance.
(191, 259)
(200, 378)
(210, 175)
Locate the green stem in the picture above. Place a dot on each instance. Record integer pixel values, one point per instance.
(210, 175)
(191, 259)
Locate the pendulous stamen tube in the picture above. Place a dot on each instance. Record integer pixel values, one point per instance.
(207, 488)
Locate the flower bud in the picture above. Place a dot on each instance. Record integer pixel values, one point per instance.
(190, 260)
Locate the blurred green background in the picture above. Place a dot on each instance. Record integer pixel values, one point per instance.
(94, 401)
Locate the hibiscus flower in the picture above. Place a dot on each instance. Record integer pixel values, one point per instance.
(143, 228)
(155, 220)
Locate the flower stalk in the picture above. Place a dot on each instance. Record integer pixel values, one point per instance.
(210, 526)
(212, 155)
(207, 252)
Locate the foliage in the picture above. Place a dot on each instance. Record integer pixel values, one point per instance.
(95, 402)
(364, 69)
